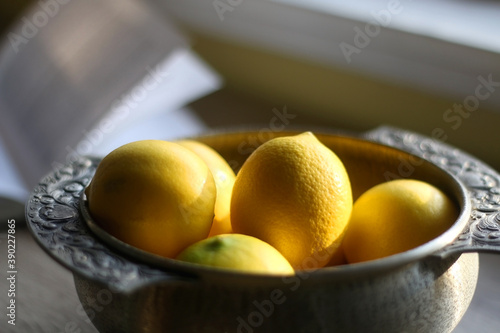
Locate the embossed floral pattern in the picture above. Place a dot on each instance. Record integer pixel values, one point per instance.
(482, 182)
(53, 216)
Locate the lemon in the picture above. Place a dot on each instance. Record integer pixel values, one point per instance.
(396, 216)
(238, 252)
(224, 179)
(338, 258)
(294, 193)
(155, 195)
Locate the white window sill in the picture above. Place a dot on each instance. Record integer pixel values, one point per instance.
(441, 47)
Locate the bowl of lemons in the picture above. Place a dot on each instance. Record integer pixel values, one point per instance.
(261, 231)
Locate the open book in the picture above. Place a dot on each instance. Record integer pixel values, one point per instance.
(85, 77)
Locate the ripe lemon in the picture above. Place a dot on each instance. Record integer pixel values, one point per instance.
(224, 179)
(396, 216)
(293, 193)
(155, 195)
(239, 252)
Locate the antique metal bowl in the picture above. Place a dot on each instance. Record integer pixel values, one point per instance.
(426, 289)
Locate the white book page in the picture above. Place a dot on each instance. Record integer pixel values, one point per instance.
(154, 108)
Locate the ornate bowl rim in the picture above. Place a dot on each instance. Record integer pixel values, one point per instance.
(59, 221)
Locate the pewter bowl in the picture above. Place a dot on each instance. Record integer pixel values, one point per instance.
(426, 289)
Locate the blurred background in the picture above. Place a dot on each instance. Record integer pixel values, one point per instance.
(425, 66)
(178, 68)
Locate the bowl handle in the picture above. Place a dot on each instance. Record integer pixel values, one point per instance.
(482, 232)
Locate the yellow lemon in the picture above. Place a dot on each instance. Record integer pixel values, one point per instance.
(224, 180)
(396, 216)
(294, 193)
(155, 195)
(338, 258)
(239, 252)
